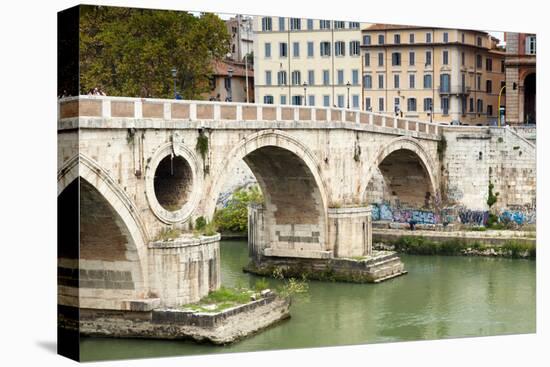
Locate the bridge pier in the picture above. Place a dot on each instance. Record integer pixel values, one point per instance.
(349, 256)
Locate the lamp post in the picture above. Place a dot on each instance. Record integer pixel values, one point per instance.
(305, 94)
(174, 74)
(348, 85)
(229, 92)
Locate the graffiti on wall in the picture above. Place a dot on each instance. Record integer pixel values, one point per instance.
(385, 212)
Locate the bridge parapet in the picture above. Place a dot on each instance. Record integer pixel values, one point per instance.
(187, 110)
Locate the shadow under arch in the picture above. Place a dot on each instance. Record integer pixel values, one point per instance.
(107, 234)
(408, 170)
(294, 192)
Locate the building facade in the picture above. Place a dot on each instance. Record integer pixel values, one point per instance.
(240, 30)
(521, 51)
(442, 75)
(228, 82)
(307, 62)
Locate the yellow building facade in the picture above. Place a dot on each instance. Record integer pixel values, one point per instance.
(442, 75)
(307, 62)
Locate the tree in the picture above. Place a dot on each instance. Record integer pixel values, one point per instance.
(234, 217)
(131, 52)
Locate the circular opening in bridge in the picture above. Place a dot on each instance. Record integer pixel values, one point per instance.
(172, 182)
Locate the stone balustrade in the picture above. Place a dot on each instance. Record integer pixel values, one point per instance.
(184, 110)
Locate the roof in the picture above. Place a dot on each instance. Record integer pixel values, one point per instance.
(221, 67)
(395, 27)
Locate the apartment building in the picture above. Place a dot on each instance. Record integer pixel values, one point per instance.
(307, 62)
(442, 75)
(521, 67)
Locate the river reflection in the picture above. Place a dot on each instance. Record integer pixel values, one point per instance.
(441, 297)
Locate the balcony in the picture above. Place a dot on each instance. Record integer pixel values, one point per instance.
(454, 90)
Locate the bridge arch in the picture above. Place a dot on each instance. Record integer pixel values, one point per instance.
(407, 170)
(288, 175)
(111, 255)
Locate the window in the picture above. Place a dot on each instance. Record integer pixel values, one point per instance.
(339, 48)
(531, 45)
(463, 38)
(411, 38)
(489, 64)
(354, 48)
(428, 81)
(445, 57)
(503, 84)
(268, 99)
(380, 39)
(311, 77)
(471, 105)
(340, 99)
(445, 105)
(445, 80)
(502, 66)
(396, 58)
(411, 104)
(396, 103)
(281, 24)
(366, 40)
(309, 24)
(462, 58)
(478, 82)
(411, 58)
(283, 98)
(297, 100)
(266, 24)
(479, 41)
(428, 58)
(368, 105)
(428, 38)
(355, 77)
(340, 77)
(311, 100)
(479, 61)
(396, 81)
(412, 80)
(463, 80)
(339, 24)
(326, 100)
(489, 110)
(268, 78)
(367, 81)
(367, 59)
(324, 24)
(325, 48)
(397, 39)
(326, 77)
(479, 106)
(380, 81)
(296, 77)
(267, 50)
(281, 77)
(310, 49)
(283, 52)
(295, 24)
(380, 104)
(463, 105)
(296, 49)
(489, 86)
(353, 25)
(427, 104)
(380, 59)
(355, 101)
(445, 37)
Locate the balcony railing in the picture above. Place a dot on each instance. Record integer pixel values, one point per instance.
(456, 90)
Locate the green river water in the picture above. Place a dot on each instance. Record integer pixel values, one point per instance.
(441, 297)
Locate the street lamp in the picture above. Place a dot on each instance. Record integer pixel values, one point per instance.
(305, 94)
(348, 85)
(174, 74)
(229, 92)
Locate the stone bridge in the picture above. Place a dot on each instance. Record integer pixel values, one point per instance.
(149, 165)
